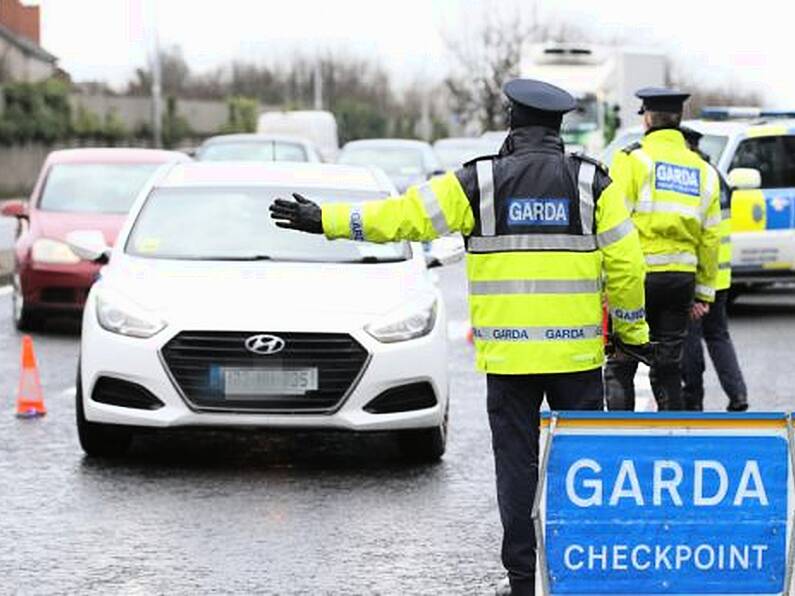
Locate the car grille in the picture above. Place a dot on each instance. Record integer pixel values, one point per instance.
(195, 358)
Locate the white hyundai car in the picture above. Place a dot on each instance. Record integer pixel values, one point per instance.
(209, 315)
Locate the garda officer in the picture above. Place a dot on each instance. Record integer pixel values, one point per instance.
(673, 198)
(545, 234)
(714, 326)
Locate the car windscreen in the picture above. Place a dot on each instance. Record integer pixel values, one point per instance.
(711, 145)
(395, 161)
(773, 156)
(253, 151)
(94, 188)
(234, 224)
(618, 144)
(454, 156)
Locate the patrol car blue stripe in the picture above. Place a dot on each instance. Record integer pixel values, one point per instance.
(561, 242)
(519, 334)
(534, 286)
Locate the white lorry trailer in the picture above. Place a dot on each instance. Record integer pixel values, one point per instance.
(603, 80)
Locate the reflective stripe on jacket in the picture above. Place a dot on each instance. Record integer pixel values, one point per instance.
(673, 197)
(546, 236)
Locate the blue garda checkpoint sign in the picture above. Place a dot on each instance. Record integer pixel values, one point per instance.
(668, 503)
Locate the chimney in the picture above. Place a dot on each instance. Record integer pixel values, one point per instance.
(22, 20)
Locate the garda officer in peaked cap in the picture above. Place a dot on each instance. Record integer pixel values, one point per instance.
(673, 197)
(546, 235)
(713, 328)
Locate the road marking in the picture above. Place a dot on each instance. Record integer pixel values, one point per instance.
(68, 392)
(6, 290)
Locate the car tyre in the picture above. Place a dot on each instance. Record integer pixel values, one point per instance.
(97, 439)
(424, 445)
(25, 318)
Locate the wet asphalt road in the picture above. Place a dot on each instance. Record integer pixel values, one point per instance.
(191, 513)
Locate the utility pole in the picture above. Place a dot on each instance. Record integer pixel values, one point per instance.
(318, 85)
(157, 84)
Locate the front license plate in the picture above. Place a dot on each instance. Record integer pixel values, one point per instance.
(242, 382)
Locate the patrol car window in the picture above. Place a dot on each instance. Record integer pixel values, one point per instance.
(94, 188)
(233, 224)
(252, 151)
(773, 156)
(713, 146)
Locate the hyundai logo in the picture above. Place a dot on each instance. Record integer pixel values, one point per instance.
(264, 344)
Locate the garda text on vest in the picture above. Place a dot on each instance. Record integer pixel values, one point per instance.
(538, 212)
(681, 179)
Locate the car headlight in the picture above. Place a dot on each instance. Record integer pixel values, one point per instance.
(118, 314)
(407, 322)
(47, 250)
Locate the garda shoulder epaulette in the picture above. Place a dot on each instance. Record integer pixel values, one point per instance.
(632, 147)
(592, 160)
(474, 160)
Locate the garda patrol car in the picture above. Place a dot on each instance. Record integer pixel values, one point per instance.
(755, 150)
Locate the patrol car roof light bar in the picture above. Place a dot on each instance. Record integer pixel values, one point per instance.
(791, 550)
(538, 522)
(730, 112)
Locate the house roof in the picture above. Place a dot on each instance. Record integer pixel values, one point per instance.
(27, 46)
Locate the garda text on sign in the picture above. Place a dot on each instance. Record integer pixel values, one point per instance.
(667, 511)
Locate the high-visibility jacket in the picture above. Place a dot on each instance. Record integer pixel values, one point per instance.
(673, 197)
(545, 235)
(723, 280)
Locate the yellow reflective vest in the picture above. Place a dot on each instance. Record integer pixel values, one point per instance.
(535, 298)
(672, 195)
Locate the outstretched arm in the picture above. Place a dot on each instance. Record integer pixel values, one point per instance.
(423, 212)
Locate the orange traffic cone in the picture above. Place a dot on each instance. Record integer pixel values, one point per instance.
(30, 399)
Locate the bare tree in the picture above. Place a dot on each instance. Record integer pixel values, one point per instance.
(705, 95)
(483, 62)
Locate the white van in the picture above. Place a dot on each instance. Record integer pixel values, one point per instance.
(317, 126)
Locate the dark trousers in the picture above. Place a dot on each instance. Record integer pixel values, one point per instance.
(669, 297)
(714, 329)
(513, 405)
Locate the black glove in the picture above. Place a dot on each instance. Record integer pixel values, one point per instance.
(645, 353)
(301, 214)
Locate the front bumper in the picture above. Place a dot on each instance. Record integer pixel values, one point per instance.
(763, 257)
(104, 354)
(61, 288)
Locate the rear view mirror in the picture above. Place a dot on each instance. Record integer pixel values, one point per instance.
(16, 208)
(745, 178)
(89, 245)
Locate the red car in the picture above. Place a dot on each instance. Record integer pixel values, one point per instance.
(77, 189)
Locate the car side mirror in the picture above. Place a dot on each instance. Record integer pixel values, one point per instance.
(745, 178)
(15, 208)
(89, 245)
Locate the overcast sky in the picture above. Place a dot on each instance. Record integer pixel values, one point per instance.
(711, 40)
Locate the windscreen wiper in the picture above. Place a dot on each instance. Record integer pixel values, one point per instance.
(371, 259)
(238, 258)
